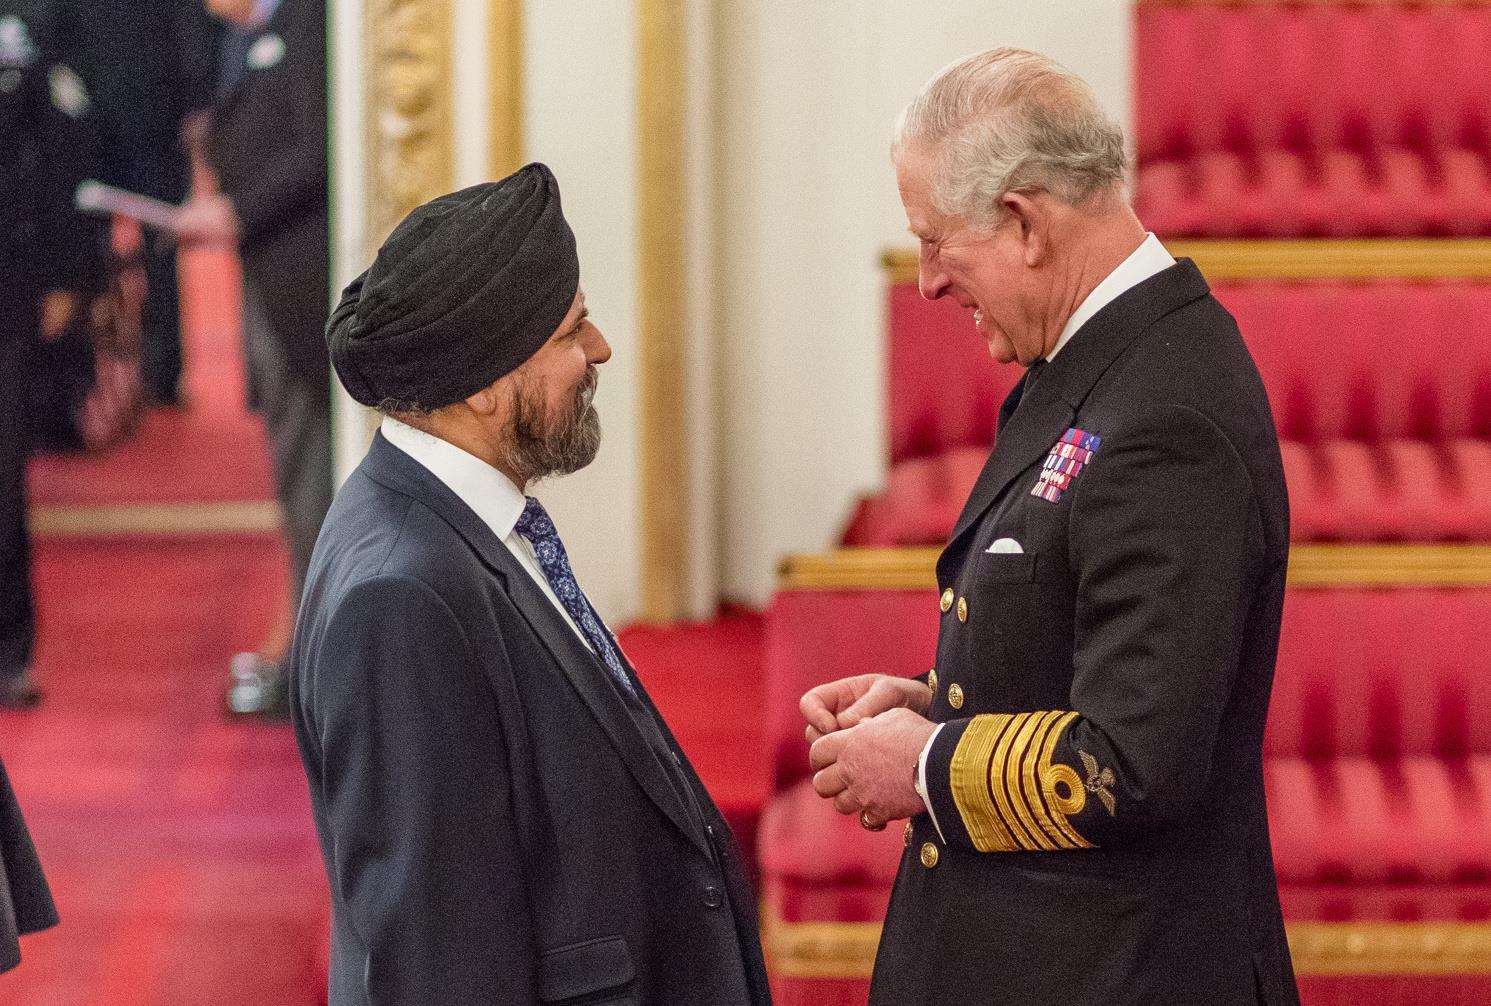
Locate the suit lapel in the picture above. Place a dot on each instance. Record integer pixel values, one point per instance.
(1041, 417)
(1047, 408)
(391, 467)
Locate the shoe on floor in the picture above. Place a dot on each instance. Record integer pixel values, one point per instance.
(257, 689)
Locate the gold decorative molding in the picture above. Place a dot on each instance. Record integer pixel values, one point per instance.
(861, 569)
(1365, 259)
(150, 519)
(847, 949)
(666, 500)
(1313, 3)
(1389, 565)
(1310, 566)
(410, 114)
(505, 65)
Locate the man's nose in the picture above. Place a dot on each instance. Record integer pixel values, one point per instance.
(932, 283)
(597, 349)
(931, 280)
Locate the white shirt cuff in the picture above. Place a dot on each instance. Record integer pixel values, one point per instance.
(921, 780)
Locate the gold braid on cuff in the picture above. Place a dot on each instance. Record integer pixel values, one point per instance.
(1010, 795)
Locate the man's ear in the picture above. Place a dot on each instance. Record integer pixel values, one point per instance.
(1030, 212)
(486, 401)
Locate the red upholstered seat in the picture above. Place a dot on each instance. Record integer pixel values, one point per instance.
(1381, 392)
(813, 636)
(1314, 119)
(945, 389)
(820, 864)
(1377, 758)
(1377, 766)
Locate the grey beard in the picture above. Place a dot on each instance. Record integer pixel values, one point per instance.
(538, 449)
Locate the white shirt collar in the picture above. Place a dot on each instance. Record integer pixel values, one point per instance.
(483, 488)
(1143, 262)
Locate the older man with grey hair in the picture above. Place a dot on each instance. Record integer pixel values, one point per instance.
(1082, 770)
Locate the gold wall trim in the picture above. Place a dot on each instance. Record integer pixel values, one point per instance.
(409, 129)
(1424, 259)
(1310, 566)
(847, 949)
(666, 503)
(505, 65)
(128, 520)
(1313, 3)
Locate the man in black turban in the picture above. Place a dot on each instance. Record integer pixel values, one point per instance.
(504, 815)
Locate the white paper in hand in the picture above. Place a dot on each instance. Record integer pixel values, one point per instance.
(96, 197)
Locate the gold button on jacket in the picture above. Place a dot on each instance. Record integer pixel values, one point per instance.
(962, 609)
(929, 855)
(947, 599)
(955, 696)
(932, 681)
(907, 836)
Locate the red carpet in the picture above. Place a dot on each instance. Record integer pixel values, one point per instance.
(179, 847)
(212, 452)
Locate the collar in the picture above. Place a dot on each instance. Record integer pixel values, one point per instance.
(483, 488)
(1143, 262)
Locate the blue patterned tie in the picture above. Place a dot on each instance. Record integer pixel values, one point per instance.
(536, 525)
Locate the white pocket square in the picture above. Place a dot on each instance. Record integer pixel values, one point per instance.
(1004, 546)
(266, 52)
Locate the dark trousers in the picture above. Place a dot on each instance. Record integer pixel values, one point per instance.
(17, 614)
(155, 166)
(297, 417)
(160, 336)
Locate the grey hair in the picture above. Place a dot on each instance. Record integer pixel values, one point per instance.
(1007, 120)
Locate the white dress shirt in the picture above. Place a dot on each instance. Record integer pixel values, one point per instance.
(485, 490)
(1149, 259)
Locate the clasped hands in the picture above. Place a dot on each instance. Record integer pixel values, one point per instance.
(867, 733)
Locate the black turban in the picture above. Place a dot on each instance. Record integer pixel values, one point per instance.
(463, 291)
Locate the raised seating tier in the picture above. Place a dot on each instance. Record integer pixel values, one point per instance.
(1314, 119)
(1377, 769)
(1381, 391)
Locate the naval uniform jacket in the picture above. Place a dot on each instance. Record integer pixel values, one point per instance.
(1098, 781)
(500, 821)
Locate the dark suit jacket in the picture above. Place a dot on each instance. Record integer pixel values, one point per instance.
(25, 901)
(45, 244)
(1099, 778)
(500, 823)
(147, 66)
(269, 149)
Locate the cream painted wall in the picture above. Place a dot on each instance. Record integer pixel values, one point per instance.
(354, 424)
(580, 115)
(348, 196)
(808, 94)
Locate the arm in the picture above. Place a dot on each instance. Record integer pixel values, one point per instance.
(417, 795)
(1165, 543)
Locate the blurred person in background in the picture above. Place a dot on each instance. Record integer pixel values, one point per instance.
(267, 146)
(44, 258)
(149, 69)
(50, 263)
